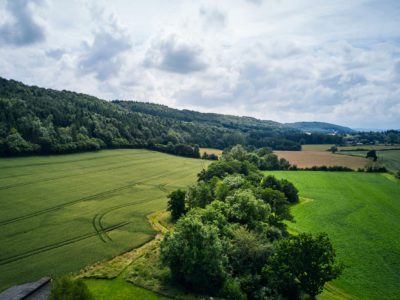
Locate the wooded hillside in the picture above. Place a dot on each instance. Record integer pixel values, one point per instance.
(38, 120)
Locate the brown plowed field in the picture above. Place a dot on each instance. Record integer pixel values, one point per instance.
(304, 159)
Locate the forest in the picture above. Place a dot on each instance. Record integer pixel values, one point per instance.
(35, 120)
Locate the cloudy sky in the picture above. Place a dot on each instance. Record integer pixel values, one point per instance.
(283, 60)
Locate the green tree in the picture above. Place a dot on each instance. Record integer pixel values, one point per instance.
(302, 262)
(333, 149)
(246, 209)
(247, 252)
(16, 144)
(231, 290)
(372, 154)
(290, 191)
(195, 255)
(278, 202)
(176, 204)
(199, 195)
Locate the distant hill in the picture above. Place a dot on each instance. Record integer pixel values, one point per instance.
(320, 127)
(36, 120)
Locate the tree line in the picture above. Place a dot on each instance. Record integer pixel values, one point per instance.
(230, 239)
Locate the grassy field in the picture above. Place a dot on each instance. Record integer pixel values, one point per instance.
(360, 212)
(210, 151)
(322, 147)
(119, 289)
(317, 147)
(60, 213)
(310, 158)
(389, 158)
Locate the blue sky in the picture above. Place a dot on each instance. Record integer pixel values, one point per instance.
(283, 60)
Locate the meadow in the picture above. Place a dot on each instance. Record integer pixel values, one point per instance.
(119, 289)
(61, 213)
(389, 158)
(304, 159)
(360, 212)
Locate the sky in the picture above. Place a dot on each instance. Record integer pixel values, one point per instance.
(282, 60)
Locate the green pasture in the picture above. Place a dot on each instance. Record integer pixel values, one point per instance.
(361, 213)
(389, 158)
(61, 213)
(119, 289)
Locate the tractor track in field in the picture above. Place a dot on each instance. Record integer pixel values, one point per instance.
(87, 198)
(100, 231)
(57, 207)
(69, 161)
(5, 187)
(97, 218)
(13, 176)
(13, 258)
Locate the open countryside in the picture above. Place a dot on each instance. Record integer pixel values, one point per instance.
(61, 213)
(360, 212)
(199, 150)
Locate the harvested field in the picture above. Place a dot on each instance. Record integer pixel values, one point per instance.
(305, 159)
(325, 147)
(211, 151)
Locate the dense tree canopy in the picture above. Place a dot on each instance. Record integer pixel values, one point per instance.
(231, 240)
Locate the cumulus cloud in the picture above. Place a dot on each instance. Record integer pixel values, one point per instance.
(55, 53)
(308, 84)
(281, 60)
(104, 56)
(22, 29)
(175, 55)
(213, 16)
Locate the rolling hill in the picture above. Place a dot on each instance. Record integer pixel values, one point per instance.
(36, 120)
(320, 127)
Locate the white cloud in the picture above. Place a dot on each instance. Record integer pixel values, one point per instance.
(282, 60)
(174, 54)
(21, 29)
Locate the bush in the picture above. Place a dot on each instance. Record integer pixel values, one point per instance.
(67, 289)
(327, 168)
(231, 290)
(375, 169)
